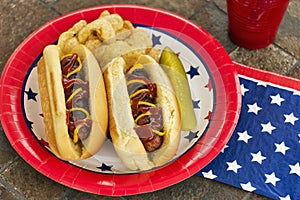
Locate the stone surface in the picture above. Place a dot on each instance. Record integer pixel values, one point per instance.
(185, 8)
(288, 35)
(19, 18)
(49, 1)
(221, 4)
(295, 72)
(86, 196)
(7, 152)
(6, 194)
(270, 58)
(214, 21)
(198, 188)
(30, 183)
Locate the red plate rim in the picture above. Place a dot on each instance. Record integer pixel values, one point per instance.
(223, 122)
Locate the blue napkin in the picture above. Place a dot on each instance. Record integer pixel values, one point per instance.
(263, 154)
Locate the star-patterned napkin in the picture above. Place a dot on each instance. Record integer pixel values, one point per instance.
(263, 154)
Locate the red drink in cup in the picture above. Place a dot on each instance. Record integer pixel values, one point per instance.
(253, 24)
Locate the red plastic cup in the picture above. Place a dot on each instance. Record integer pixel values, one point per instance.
(253, 24)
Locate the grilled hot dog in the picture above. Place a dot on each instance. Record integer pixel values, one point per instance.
(143, 112)
(73, 99)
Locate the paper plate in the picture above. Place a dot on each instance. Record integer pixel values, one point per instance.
(214, 87)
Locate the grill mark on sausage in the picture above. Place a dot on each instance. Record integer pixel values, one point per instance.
(148, 118)
(79, 98)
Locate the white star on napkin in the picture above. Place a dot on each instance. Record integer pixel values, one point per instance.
(271, 178)
(262, 83)
(226, 146)
(244, 136)
(281, 148)
(257, 157)
(290, 118)
(287, 197)
(248, 187)
(209, 175)
(243, 89)
(233, 166)
(276, 99)
(295, 169)
(296, 93)
(254, 108)
(267, 128)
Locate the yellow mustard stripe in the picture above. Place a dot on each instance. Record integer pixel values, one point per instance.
(136, 66)
(136, 81)
(146, 103)
(64, 56)
(75, 136)
(138, 92)
(75, 70)
(82, 110)
(73, 94)
(159, 133)
(141, 115)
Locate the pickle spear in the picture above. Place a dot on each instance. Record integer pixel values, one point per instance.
(176, 73)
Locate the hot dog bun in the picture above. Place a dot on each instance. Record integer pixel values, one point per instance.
(54, 107)
(125, 140)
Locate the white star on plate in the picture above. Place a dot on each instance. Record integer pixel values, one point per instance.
(281, 148)
(233, 166)
(276, 99)
(257, 157)
(299, 137)
(290, 118)
(295, 169)
(209, 174)
(262, 83)
(243, 89)
(271, 178)
(287, 197)
(254, 108)
(226, 146)
(248, 187)
(267, 128)
(244, 136)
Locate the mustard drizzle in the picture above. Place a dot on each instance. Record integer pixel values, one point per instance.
(74, 93)
(130, 71)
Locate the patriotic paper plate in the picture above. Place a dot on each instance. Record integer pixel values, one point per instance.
(214, 87)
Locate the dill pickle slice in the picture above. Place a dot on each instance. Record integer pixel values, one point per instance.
(169, 58)
(176, 73)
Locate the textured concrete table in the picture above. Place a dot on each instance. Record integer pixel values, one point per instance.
(19, 18)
